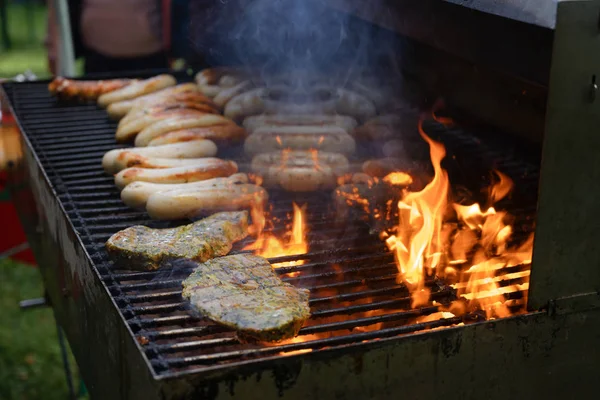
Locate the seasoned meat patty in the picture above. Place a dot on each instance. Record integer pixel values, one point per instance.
(142, 248)
(243, 292)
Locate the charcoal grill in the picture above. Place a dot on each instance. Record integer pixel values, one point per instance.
(133, 336)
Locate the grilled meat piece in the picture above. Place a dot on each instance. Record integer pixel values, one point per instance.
(142, 248)
(243, 292)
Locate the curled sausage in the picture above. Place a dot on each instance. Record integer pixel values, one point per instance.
(246, 104)
(118, 159)
(182, 92)
(136, 194)
(193, 202)
(166, 106)
(300, 171)
(212, 81)
(198, 172)
(328, 138)
(222, 134)
(137, 89)
(178, 123)
(131, 127)
(229, 93)
(87, 90)
(129, 159)
(253, 123)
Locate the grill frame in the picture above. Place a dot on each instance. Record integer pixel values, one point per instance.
(85, 309)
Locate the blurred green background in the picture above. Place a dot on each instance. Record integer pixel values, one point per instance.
(26, 24)
(30, 361)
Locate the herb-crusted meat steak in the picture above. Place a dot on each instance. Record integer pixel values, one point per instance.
(143, 248)
(243, 292)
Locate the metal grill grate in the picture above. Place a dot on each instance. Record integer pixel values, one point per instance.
(355, 296)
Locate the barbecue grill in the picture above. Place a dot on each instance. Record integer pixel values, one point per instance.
(134, 337)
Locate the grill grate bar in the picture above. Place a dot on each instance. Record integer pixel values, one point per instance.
(312, 345)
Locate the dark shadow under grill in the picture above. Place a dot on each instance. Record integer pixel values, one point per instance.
(355, 295)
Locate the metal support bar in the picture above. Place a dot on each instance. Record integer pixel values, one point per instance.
(566, 261)
(66, 59)
(65, 360)
(33, 303)
(14, 250)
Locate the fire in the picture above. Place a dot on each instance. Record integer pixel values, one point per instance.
(501, 189)
(474, 254)
(417, 243)
(269, 246)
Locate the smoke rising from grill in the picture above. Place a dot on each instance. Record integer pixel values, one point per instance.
(304, 39)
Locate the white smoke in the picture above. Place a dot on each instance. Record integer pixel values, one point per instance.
(301, 38)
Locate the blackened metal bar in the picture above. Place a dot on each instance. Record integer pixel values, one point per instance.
(315, 344)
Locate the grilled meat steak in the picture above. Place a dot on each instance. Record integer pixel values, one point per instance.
(243, 292)
(142, 248)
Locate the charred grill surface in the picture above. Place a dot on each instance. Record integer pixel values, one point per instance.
(352, 278)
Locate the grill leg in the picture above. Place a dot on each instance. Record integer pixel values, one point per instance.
(65, 359)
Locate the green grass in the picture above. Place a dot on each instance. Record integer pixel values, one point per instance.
(30, 361)
(27, 33)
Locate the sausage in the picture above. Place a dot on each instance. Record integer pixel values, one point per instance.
(212, 81)
(129, 159)
(87, 90)
(300, 171)
(116, 160)
(177, 123)
(246, 104)
(193, 202)
(225, 134)
(193, 173)
(184, 91)
(328, 138)
(137, 89)
(229, 93)
(165, 105)
(136, 194)
(257, 121)
(129, 128)
(355, 105)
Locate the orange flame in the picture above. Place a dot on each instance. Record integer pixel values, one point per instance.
(424, 241)
(483, 288)
(417, 244)
(268, 246)
(501, 189)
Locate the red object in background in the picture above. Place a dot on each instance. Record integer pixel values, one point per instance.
(13, 241)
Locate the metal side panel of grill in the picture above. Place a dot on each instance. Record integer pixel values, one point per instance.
(134, 338)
